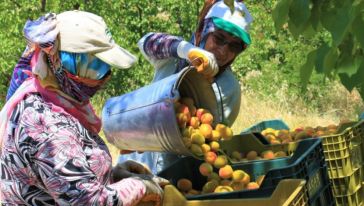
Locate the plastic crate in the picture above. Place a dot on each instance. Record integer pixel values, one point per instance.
(307, 162)
(290, 192)
(276, 124)
(354, 199)
(245, 143)
(344, 151)
(347, 185)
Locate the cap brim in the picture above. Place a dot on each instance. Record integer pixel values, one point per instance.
(233, 29)
(117, 57)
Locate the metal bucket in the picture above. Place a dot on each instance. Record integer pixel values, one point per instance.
(145, 119)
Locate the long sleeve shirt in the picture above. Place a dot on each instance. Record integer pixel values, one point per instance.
(49, 158)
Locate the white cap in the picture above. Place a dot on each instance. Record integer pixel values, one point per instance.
(84, 32)
(240, 19)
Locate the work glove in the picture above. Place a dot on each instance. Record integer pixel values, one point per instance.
(135, 190)
(129, 168)
(132, 168)
(202, 60)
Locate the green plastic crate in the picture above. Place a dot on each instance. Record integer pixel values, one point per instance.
(347, 185)
(289, 192)
(247, 142)
(354, 199)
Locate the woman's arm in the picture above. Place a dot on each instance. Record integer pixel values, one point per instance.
(73, 171)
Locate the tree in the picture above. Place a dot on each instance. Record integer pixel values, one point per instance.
(340, 24)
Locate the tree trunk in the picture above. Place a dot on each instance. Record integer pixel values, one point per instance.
(43, 2)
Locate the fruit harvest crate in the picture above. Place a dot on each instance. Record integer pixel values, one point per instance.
(307, 162)
(344, 151)
(344, 154)
(289, 192)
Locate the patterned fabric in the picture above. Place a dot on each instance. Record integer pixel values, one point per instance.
(49, 158)
(19, 75)
(161, 46)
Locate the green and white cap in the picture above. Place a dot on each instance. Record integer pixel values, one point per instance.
(236, 22)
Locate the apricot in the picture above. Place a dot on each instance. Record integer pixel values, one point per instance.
(252, 155)
(213, 176)
(210, 157)
(200, 112)
(187, 132)
(246, 179)
(237, 186)
(181, 120)
(190, 104)
(260, 179)
(184, 184)
(268, 154)
(220, 161)
(280, 154)
(220, 128)
(184, 110)
(252, 186)
(193, 192)
(205, 148)
(207, 118)
(187, 141)
(220, 189)
(238, 175)
(226, 172)
(215, 135)
(228, 134)
(275, 142)
(197, 138)
(225, 182)
(320, 133)
(206, 130)
(194, 122)
(196, 149)
(215, 146)
(302, 135)
(206, 169)
(210, 186)
(236, 155)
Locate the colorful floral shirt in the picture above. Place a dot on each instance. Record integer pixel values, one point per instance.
(49, 158)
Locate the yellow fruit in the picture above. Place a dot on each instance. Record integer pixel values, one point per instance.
(207, 118)
(238, 175)
(215, 146)
(220, 189)
(210, 157)
(226, 172)
(205, 148)
(252, 186)
(206, 169)
(197, 138)
(220, 161)
(196, 150)
(206, 130)
(210, 186)
(215, 135)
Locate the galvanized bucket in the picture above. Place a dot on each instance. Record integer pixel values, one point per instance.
(145, 119)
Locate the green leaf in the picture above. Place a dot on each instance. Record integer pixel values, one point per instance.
(321, 54)
(337, 20)
(307, 68)
(280, 13)
(357, 28)
(355, 80)
(330, 60)
(299, 13)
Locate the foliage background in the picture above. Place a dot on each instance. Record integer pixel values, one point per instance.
(268, 70)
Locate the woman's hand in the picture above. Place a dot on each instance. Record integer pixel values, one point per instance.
(129, 168)
(204, 61)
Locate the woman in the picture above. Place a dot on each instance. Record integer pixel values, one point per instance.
(50, 151)
(220, 37)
